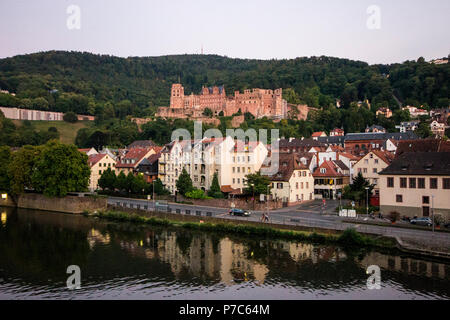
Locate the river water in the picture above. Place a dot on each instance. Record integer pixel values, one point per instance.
(126, 261)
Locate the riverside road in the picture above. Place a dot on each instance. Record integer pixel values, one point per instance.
(312, 214)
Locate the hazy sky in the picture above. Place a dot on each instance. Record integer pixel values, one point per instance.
(261, 29)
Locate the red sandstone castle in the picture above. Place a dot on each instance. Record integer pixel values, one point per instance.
(258, 102)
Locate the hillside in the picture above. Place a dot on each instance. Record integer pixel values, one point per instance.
(67, 131)
(95, 84)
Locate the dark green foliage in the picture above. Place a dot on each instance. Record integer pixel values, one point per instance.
(256, 184)
(108, 180)
(214, 191)
(160, 189)
(5, 160)
(357, 190)
(424, 130)
(70, 117)
(60, 169)
(18, 136)
(110, 86)
(184, 183)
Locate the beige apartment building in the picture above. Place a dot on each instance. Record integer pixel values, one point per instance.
(416, 184)
(293, 183)
(99, 163)
(231, 159)
(371, 164)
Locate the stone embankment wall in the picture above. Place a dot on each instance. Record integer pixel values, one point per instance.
(239, 203)
(69, 204)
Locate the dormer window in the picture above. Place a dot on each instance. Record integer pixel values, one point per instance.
(323, 170)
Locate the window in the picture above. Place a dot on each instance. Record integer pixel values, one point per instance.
(433, 183)
(307, 185)
(425, 200)
(99, 171)
(296, 185)
(238, 169)
(375, 170)
(376, 161)
(234, 180)
(234, 169)
(390, 182)
(403, 182)
(365, 170)
(239, 180)
(421, 183)
(412, 183)
(399, 198)
(366, 161)
(446, 183)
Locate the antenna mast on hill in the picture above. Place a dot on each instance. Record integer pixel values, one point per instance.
(202, 49)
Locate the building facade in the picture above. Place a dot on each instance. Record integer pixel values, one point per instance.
(99, 163)
(416, 184)
(371, 165)
(231, 159)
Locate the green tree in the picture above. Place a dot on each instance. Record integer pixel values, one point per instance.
(70, 117)
(184, 183)
(357, 190)
(256, 184)
(424, 130)
(108, 180)
(160, 189)
(21, 168)
(214, 191)
(5, 160)
(139, 185)
(122, 182)
(208, 113)
(60, 169)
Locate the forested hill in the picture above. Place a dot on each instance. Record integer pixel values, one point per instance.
(85, 83)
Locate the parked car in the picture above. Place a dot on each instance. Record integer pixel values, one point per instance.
(422, 222)
(447, 225)
(239, 212)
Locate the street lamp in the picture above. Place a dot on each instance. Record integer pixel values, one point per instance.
(367, 201)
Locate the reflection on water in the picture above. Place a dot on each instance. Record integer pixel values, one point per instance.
(123, 261)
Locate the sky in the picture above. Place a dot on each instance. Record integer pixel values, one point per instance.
(375, 31)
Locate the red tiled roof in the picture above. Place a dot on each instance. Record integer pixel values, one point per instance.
(331, 170)
(136, 153)
(317, 134)
(95, 158)
(386, 156)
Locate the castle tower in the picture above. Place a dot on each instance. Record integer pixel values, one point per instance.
(177, 96)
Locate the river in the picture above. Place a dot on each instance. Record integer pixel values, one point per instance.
(126, 261)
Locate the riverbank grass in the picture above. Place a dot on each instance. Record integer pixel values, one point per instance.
(349, 238)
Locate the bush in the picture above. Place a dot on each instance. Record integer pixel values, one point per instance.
(394, 216)
(70, 117)
(352, 238)
(197, 194)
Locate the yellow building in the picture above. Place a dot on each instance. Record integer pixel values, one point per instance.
(371, 164)
(99, 163)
